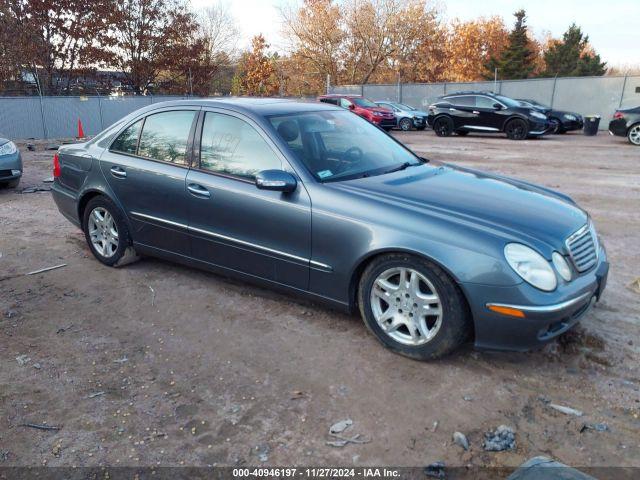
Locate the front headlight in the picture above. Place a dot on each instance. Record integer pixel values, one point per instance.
(531, 266)
(568, 116)
(561, 266)
(8, 148)
(537, 114)
(377, 114)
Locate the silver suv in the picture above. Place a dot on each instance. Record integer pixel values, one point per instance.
(408, 117)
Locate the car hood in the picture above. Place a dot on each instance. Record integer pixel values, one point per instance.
(3, 141)
(511, 208)
(418, 113)
(378, 109)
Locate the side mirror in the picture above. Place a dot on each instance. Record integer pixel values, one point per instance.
(352, 106)
(497, 106)
(276, 180)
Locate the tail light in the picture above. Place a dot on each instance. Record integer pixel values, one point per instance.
(618, 115)
(56, 166)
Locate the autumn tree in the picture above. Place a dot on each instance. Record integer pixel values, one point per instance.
(316, 35)
(471, 45)
(257, 73)
(153, 37)
(518, 59)
(60, 36)
(572, 56)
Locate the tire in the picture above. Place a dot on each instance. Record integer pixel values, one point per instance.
(109, 255)
(405, 124)
(557, 128)
(443, 126)
(633, 135)
(517, 129)
(462, 133)
(441, 333)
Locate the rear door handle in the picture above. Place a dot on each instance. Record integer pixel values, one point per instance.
(198, 190)
(118, 172)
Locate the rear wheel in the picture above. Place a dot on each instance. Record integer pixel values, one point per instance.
(412, 306)
(405, 124)
(516, 129)
(443, 126)
(634, 134)
(105, 230)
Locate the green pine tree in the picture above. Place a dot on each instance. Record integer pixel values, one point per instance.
(518, 59)
(568, 57)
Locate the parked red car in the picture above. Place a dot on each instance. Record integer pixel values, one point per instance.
(364, 107)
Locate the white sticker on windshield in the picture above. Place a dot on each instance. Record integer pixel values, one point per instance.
(325, 173)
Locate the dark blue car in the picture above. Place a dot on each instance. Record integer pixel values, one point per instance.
(314, 200)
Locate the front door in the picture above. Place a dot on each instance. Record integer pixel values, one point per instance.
(489, 116)
(146, 167)
(232, 223)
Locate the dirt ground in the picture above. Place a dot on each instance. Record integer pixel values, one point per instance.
(158, 364)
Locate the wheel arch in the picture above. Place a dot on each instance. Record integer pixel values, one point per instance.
(92, 193)
(515, 117)
(363, 262)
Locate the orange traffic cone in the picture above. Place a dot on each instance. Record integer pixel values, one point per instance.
(80, 130)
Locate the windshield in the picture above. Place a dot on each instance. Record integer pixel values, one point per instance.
(340, 145)
(363, 102)
(402, 106)
(509, 102)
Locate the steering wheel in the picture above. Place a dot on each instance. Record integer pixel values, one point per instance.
(354, 155)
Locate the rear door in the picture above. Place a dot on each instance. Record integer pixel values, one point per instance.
(463, 111)
(232, 223)
(146, 167)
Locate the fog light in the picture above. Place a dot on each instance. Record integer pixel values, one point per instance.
(562, 267)
(15, 172)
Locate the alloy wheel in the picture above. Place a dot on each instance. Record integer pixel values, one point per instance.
(634, 134)
(406, 306)
(405, 124)
(103, 232)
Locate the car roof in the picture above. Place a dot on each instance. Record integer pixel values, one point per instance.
(340, 95)
(470, 92)
(248, 105)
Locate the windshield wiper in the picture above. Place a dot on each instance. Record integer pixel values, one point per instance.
(403, 166)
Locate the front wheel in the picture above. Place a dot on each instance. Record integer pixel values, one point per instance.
(634, 134)
(413, 307)
(443, 126)
(405, 124)
(105, 230)
(517, 129)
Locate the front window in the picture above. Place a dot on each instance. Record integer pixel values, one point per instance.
(402, 106)
(231, 146)
(364, 103)
(338, 146)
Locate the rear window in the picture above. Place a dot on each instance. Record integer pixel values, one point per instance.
(127, 141)
(462, 101)
(165, 136)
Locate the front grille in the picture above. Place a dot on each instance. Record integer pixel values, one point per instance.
(5, 173)
(583, 248)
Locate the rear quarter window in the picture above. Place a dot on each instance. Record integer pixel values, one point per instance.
(127, 141)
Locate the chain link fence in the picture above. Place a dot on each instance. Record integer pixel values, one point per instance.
(584, 95)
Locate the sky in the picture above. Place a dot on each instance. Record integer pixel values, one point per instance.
(613, 26)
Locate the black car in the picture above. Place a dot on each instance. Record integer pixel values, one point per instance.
(562, 121)
(486, 112)
(626, 123)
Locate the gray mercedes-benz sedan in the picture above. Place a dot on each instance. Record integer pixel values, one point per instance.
(312, 199)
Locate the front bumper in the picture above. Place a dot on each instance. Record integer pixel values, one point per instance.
(571, 125)
(541, 127)
(10, 167)
(419, 122)
(385, 122)
(547, 315)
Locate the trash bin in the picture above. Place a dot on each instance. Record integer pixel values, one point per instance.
(591, 124)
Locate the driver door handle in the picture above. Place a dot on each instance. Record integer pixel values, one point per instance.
(475, 112)
(198, 190)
